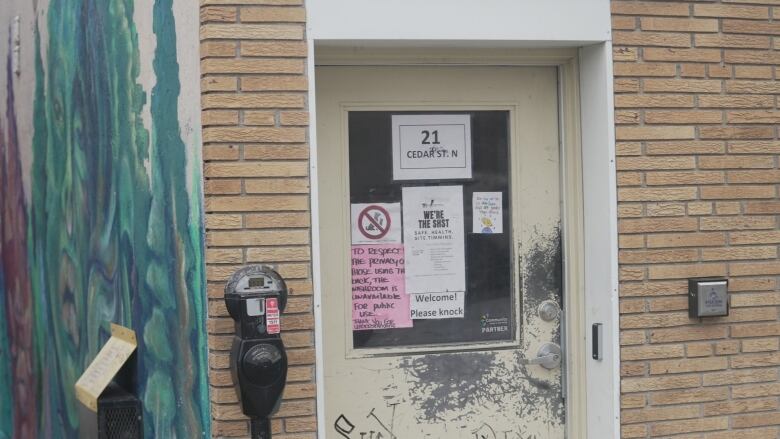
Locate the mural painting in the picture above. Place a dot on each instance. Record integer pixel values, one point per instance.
(101, 212)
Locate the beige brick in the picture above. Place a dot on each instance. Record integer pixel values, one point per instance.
(767, 176)
(737, 253)
(624, 53)
(693, 70)
(651, 352)
(633, 431)
(752, 72)
(755, 360)
(683, 117)
(629, 385)
(658, 194)
(699, 208)
(710, 132)
(277, 186)
(218, 49)
(225, 134)
(740, 377)
(277, 254)
(689, 426)
(684, 177)
(223, 221)
(657, 256)
(736, 192)
(752, 87)
(256, 169)
(754, 268)
(703, 394)
(752, 284)
(685, 239)
(656, 133)
(252, 2)
(756, 330)
(654, 163)
(253, 117)
(750, 27)
(756, 390)
(689, 147)
(273, 14)
(299, 118)
(736, 101)
(757, 299)
(251, 31)
(630, 210)
(252, 100)
(665, 209)
(274, 220)
(754, 147)
(256, 203)
(219, 117)
(629, 338)
(730, 11)
(264, 65)
(728, 207)
(736, 162)
(654, 289)
(222, 187)
(668, 39)
(754, 116)
(279, 49)
(274, 83)
(757, 419)
(629, 178)
(650, 8)
(679, 24)
(631, 241)
(626, 117)
(218, 83)
(652, 414)
(623, 85)
(732, 41)
(755, 237)
(686, 55)
(688, 365)
(623, 23)
(683, 85)
(218, 14)
(657, 225)
(719, 71)
(761, 345)
(736, 56)
(729, 347)
(680, 271)
(654, 101)
(737, 223)
(276, 152)
(698, 349)
(644, 69)
(710, 332)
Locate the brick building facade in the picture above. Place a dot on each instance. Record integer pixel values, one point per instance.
(696, 113)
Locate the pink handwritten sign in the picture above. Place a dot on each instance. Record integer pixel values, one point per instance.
(379, 299)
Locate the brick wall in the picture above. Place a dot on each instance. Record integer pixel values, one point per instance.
(257, 189)
(696, 114)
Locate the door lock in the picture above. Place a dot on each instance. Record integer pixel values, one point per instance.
(548, 356)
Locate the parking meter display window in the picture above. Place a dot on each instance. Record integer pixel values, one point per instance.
(255, 307)
(488, 303)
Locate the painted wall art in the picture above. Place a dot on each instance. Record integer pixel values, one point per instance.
(100, 209)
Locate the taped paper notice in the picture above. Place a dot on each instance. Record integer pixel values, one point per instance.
(447, 305)
(106, 364)
(376, 223)
(379, 299)
(487, 212)
(433, 236)
(431, 146)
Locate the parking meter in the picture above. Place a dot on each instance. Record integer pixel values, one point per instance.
(255, 297)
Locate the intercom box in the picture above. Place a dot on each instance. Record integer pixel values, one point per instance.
(708, 297)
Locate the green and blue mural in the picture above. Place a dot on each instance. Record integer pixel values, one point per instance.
(101, 211)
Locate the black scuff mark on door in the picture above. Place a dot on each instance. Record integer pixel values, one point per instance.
(542, 275)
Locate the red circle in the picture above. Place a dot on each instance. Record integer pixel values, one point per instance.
(364, 213)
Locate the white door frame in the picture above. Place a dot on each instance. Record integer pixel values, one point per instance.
(585, 83)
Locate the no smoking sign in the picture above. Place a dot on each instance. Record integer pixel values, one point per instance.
(376, 223)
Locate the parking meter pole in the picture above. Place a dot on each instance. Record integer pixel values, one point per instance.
(260, 428)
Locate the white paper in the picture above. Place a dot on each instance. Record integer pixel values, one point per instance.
(376, 223)
(487, 212)
(433, 239)
(447, 305)
(429, 146)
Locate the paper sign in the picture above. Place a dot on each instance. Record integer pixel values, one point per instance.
(379, 299)
(487, 212)
(433, 236)
(429, 146)
(437, 305)
(105, 365)
(272, 322)
(376, 223)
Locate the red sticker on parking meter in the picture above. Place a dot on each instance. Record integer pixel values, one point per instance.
(376, 223)
(272, 323)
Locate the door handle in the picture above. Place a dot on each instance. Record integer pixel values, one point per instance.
(548, 356)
